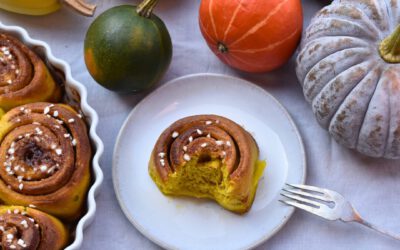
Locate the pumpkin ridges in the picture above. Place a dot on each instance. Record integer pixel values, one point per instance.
(228, 60)
(269, 46)
(228, 28)
(328, 101)
(374, 128)
(376, 104)
(318, 76)
(212, 19)
(336, 23)
(344, 110)
(261, 16)
(246, 65)
(205, 33)
(260, 24)
(264, 58)
(251, 67)
(218, 31)
(379, 74)
(259, 40)
(251, 25)
(241, 22)
(257, 61)
(375, 10)
(356, 15)
(322, 47)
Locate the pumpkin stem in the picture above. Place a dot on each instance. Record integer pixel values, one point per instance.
(390, 47)
(222, 48)
(81, 6)
(146, 7)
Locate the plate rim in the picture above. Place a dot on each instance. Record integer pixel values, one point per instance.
(114, 168)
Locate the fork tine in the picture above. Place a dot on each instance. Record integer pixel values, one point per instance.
(301, 199)
(306, 187)
(322, 197)
(309, 209)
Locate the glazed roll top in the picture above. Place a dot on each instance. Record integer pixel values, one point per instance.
(46, 154)
(24, 78)
(208, 156)
(27, 228)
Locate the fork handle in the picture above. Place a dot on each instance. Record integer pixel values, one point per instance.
(376, 228)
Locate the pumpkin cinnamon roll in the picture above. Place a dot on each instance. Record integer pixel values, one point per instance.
(45, 155)
(24, 78)
(27, 228)
(208, 156)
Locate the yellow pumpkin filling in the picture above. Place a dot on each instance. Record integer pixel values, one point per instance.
(208, 178)
(208, 156)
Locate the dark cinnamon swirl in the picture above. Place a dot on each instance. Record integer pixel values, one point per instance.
(24, 78)
(208, 156)
(45, 152)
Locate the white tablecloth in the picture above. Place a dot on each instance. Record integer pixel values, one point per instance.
(372, 185)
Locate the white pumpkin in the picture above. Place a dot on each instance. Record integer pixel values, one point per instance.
(349, 67)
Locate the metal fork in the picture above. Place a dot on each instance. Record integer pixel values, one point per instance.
(327, 204)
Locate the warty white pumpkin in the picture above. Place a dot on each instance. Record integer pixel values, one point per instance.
(349, 67)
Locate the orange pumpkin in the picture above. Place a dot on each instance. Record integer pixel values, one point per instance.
(252, 35)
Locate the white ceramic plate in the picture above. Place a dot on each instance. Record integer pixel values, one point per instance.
(186, 223)
(76, 94)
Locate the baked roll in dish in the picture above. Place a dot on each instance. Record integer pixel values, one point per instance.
(24, 78)
(27, 228)
(45, 155)
(208, 156)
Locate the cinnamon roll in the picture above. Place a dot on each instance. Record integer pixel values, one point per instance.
(27, 228)
(45, 155)
(208, 156)
(24, 78)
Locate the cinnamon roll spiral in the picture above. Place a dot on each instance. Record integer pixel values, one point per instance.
(45, 155)
(27, 228)
(24, 78)
(208, 156)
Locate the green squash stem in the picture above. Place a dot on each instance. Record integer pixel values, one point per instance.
(145, 8)
(390, 47)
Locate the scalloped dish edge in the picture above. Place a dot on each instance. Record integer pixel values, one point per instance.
(92, 120)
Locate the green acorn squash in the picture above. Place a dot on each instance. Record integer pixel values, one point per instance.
(127, 48)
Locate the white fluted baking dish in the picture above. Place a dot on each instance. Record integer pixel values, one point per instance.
(75, 95)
